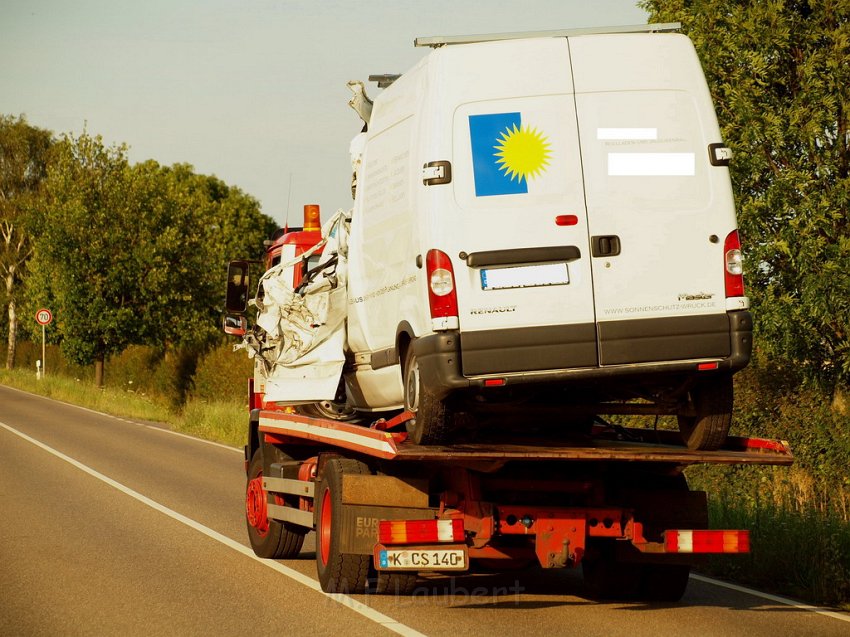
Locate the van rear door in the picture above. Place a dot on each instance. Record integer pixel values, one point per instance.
(515, 220)
(658, 211)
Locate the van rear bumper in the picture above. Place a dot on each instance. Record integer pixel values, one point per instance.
(441, 356)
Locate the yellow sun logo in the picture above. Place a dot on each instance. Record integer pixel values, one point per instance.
(522, 152)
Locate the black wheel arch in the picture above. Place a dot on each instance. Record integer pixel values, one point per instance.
(404, 337)
(253, 442)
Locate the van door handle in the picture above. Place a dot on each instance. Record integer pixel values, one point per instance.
(436, 173)
(605, 245)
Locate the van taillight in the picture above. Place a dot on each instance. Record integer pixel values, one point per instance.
(441, 285)
(734, 265)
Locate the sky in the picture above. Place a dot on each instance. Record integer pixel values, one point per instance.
(252, 91)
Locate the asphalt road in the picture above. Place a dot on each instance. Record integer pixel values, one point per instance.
(112, 527)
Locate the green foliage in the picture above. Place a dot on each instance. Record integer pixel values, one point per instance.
(222, 422)
(779, 76)
(136, 254)
(56, 365)
(802, 554)
(82, 264)
(24, 156)
(780, 80)
(222, 375)
(799, 516)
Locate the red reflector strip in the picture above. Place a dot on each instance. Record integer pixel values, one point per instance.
(707, 541)
(495, 382)
(706, 366)
(420, 531)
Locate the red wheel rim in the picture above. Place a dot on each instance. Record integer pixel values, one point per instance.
(255, 506)
(325, 527)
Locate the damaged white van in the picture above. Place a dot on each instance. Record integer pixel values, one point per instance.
(546, 221)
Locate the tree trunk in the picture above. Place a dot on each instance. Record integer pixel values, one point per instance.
(13, 335)
(98, 371)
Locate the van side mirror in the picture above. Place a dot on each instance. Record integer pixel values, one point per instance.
(238, 281)
(234, 324)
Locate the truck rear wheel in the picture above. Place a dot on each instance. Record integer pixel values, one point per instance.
(395, 583)
(269, 538)
(708, 428)
(606, 577)
(338, 572)
(432, 422)
(664, 582)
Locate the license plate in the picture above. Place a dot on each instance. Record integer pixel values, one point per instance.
(525, 276)
(421, 559)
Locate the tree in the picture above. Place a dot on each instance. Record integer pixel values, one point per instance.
(81, 260)
(24, 152)
(780, 78)
(131, 254)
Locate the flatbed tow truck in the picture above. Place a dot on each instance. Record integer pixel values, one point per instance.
(613, 500)
(610, 499)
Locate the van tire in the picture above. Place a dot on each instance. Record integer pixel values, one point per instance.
(712, 400)
(328, 409)
(431, 424)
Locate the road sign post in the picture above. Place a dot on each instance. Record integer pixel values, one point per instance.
(43, 317)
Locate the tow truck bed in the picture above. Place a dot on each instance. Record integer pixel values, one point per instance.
(614, 501)
(617, 444)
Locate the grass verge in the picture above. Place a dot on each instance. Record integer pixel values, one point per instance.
(803, 554)
(221, 422)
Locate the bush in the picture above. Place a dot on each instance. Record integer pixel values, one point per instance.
(133, 369)
(28, 352)
(799, 516)
(222, 375)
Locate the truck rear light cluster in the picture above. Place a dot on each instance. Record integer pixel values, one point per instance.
(734, 272)
(442, 296)
(420, 531)
(707, 541)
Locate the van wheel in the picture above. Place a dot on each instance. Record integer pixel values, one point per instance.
(712, 401)
(329, 409)
(432, 419)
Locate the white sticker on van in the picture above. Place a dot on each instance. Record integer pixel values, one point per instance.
(627, 133)
(651, 164)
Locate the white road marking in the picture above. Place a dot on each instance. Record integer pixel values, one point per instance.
(358, 607)
(773, 598)
(129, 422)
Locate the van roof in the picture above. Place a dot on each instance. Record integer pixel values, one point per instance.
(442, 40)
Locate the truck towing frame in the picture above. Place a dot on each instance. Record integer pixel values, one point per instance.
(613, 500)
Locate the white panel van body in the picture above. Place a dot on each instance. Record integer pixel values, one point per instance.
(547, 221)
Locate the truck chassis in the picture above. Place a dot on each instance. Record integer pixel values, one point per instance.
(614, 501)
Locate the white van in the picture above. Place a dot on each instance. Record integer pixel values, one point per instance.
(547, 221)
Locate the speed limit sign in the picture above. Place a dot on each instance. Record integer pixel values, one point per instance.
(44, 316)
